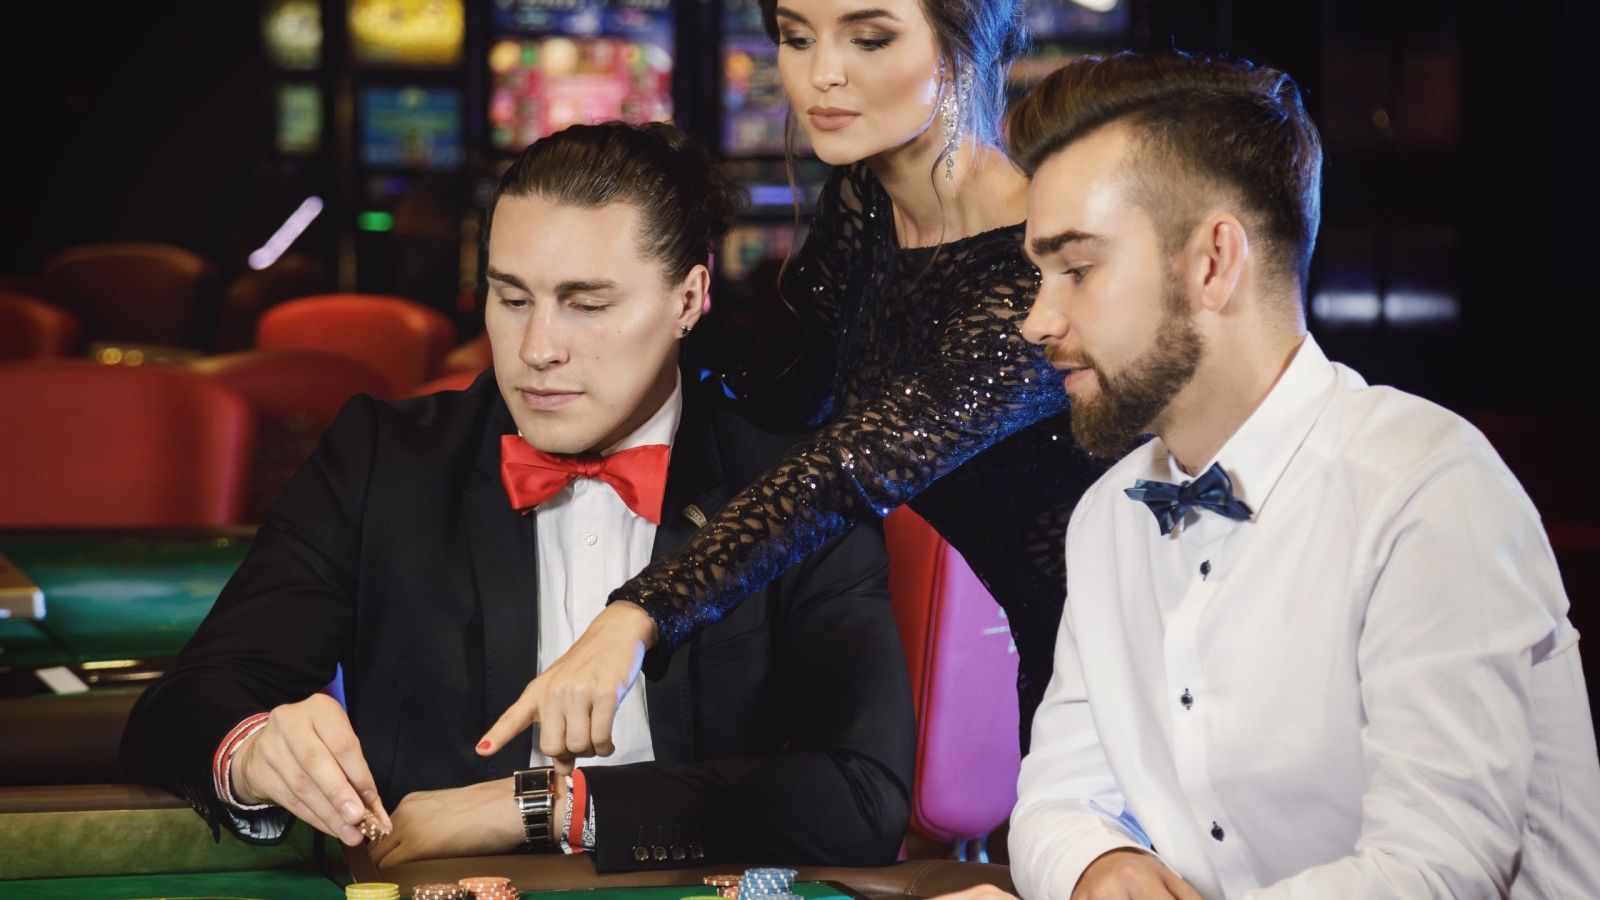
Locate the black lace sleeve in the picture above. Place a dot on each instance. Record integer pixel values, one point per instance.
(973, 382)
(792, 370)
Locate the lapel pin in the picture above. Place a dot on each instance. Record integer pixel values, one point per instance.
(693, 514)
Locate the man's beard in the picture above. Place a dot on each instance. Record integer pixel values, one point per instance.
(1111, 421)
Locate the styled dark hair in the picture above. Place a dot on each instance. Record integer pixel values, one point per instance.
(986, 35)
(685, 199)
(1203, 124)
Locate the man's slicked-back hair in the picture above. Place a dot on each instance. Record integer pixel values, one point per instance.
(1203, 127)
(686, 201)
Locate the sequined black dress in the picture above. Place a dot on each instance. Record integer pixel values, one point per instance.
(930, 396)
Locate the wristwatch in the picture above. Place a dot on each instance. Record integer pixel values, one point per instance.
(535, 793)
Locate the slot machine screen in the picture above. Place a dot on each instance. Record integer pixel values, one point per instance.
(411, 128)
(407, 33)
(1058, 20)
(563, 62)
(292, 30)
(1062, 29)
(753, 104)
(299, 131)
(747, 245)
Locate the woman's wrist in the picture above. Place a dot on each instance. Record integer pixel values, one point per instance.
(632, 619)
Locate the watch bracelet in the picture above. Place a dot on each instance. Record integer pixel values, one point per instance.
(534, 793)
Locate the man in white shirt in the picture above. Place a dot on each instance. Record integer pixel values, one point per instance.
(443, 549)
(1315, 642)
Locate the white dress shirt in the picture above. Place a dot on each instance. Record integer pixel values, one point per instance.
(589, 544)
(1368, 690)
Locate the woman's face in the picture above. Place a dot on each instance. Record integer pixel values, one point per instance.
(863, 76)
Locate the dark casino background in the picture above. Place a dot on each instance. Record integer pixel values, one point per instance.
(176, 177)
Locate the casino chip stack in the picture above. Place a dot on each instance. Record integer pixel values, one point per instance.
(440, 892)
(727, 886)
(372, 890)
(372, 829)
(490, 887)
(767, 884)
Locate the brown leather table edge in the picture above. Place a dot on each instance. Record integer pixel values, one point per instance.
(85, 798)
(559, 872)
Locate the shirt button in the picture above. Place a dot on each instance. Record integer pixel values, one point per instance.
(589, 538)
(1205, 569)
(1216, 831)
(1187, 699)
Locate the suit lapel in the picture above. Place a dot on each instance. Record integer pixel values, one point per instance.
(505, 561)
(695, 470)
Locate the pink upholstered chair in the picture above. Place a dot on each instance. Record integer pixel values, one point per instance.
(964, 683)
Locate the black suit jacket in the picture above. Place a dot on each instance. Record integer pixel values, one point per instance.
(783, 732)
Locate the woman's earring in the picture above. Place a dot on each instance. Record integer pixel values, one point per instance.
(950, 115)
(684, 329)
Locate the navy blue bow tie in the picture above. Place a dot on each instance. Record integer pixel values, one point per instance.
(1171, 502)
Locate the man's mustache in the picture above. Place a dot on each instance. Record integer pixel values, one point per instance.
(1059, 355)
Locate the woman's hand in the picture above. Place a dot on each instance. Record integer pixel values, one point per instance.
(576, 698)
(476, 820)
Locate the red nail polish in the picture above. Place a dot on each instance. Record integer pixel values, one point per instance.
(484, 745)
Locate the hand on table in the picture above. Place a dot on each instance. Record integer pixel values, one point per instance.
(1131, 875)
(576, 698)
(307, 760)
(981, 892)
(476, 820)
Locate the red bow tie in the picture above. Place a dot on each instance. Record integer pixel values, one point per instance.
(532, 476)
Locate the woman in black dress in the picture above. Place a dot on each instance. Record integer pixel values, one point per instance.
(912, 287)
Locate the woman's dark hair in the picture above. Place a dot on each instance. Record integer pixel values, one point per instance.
(1203, 126)
(985, 35)
(685, 199)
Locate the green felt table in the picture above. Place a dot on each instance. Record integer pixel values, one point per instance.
(267, 885)
(115, 595)
(292, 885)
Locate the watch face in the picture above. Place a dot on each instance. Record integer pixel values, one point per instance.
(641, 853)
(660, 853)
(533, 781)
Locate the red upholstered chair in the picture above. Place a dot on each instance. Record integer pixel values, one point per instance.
(460, 381)
(131, 292)
(253, 293)
(31, 328)
(964, 683)
(95, 445)
(474, 356)
(296, 395)
(400, 339)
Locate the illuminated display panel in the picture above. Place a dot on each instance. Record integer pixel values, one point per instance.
(746, 246)
(411, 127)
(1064, 20)
(1060, 29)
(292, 31)
(407, 32)
(299, 131)
(563, 62)
(753, 104)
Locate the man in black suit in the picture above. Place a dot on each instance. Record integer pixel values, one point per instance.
(443, 548)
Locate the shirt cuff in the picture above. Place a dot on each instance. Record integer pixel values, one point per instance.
(1074, 861)
(580, 809)
(222, 763)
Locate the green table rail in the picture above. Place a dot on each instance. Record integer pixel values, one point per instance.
(116, 595)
